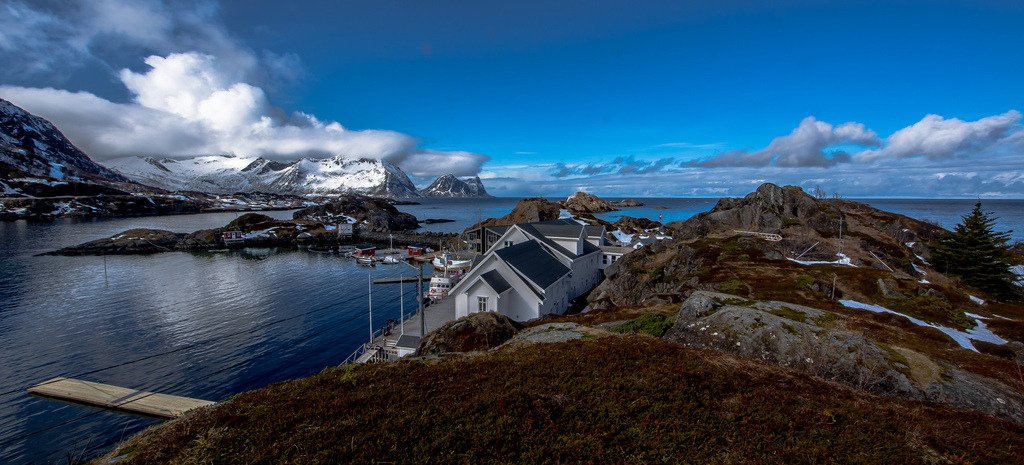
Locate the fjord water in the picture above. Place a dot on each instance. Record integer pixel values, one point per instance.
(220, 313)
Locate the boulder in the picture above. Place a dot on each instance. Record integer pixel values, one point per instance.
(529, 210)
(810, 340)
(582, 202)
(479, 331)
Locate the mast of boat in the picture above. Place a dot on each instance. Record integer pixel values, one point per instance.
(401, 305)
(369, 285)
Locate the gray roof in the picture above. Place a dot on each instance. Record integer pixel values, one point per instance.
(533, 262)
(592, 230)
(558, 230)
(494, 279)
(408, 341)
(531, 229)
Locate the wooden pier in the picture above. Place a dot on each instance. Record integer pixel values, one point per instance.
(119, 398)
(404, 279)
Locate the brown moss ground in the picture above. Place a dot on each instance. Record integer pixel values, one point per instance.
(610, 400)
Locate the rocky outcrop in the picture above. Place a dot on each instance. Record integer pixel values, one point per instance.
(628, 203)
(479, 331)
(453, 187)
(130, 242)
(582, 202)
(810, 340)
(528, 210)
(371, 213)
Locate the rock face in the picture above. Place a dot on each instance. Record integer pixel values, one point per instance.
(33, 147)
(306, 176)
(809, 340)
(528, 210)
(451, 186)
(479, 331)
(97, 206)
(372, 213)
(582, 202)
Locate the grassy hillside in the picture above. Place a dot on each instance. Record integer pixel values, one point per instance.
(606, 400)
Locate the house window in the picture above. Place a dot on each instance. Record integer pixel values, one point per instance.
(481, 304)
(604, 259)
(508, 243)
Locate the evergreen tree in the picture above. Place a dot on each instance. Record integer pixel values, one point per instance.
(977, 253)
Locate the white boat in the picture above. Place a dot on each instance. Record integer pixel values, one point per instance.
(441, 285)
(448, 263)
(366, 261)
(391, 260)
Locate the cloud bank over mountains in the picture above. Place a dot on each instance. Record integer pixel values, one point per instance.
(189, 102)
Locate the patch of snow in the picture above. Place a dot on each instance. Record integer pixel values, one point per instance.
(843, 260)
(622, 237)
(266, 233)
(56, 171)
(7, 190)
(564, 214)
(922, 259)
(977, 300)
(918, 269)
(910, 244)
(1019, 271)
(976, 316)
(963, 338)
(330, 227)
(924, 281)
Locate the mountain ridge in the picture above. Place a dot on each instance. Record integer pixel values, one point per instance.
(451, 186)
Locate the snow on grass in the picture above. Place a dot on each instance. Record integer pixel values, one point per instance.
(977, 300)
(979, 333)
(843, 260)
(922, 259)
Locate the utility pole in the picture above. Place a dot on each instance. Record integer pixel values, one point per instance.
(401, 305)
(419, 297)
(369, 286)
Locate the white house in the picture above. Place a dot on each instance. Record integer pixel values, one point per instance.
(532, 270)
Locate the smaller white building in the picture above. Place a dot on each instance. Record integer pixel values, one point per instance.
(532, 270)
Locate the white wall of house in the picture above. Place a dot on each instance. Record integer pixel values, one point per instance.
(608, 258)
(519, 303)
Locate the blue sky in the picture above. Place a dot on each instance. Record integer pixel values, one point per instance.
(619, 98)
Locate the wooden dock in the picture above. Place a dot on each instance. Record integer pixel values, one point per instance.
(404, 279)
(119, 398)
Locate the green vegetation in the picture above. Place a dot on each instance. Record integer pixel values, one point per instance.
(617, 400)
(654, 324)
(976, 253)
(933, 309)
(733, 286)
(789, 313)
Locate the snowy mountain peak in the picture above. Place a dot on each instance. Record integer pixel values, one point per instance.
(449, 185)
(35, 146)
(223, 174)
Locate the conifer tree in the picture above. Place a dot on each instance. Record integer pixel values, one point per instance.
(976, 253)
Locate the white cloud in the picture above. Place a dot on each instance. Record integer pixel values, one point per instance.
(937, 138)
(805, 146)
(190, 104)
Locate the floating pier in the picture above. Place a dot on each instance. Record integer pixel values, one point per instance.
(118, 398)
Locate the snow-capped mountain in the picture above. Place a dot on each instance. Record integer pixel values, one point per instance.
(307, 176)
(451, 186)
(36, 147)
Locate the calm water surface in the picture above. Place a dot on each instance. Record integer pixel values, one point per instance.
(221, 311)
